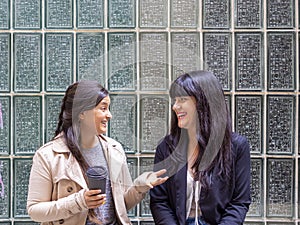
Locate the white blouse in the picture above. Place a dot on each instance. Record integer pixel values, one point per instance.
(192, 198)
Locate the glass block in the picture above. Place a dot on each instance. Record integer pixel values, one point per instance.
(249, 61)
(27, 14)
(216, 14)
(280, 14)
(146, 164)
(153, 13)
(280, 124)
(154, 114)
(248, 13)
(281, 57)
(147, 223)
(4, 188)
(90, 57)
(249, 120)
(4, 62)
(22, 169)
(253, 223)
(256, 207)
(121, 13)
(27, 62)
(4, 125)
(278, 223)
(217, 50)
(59, 13)
(27, 124)
(4, 12)
(280, 187)
(153, 61)
(228, 102)
(122, 126)
(185, 53)
(132, 166)
(59, 61)
(53, 107)
(184, 13)
(90, 14)
(121, 61)
(5, 223)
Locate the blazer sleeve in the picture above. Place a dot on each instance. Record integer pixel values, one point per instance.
(236, 210)
(160, 205)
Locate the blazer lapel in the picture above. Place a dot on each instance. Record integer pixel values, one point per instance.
(180, 180)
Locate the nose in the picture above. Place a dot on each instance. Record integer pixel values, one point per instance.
(175, 105)
(109, 115)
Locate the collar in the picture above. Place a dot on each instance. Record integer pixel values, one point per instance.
(59, 144)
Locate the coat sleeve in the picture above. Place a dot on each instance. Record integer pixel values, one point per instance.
(131, 195)
(138, 189)
(40, 205)
(162, 212)
(236, 210)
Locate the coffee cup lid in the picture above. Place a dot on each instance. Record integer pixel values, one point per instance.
(96, 171)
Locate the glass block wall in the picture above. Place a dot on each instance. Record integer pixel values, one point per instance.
(136, 48)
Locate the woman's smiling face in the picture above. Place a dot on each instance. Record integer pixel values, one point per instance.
(186, 112)
(96, 120)
(102, 115)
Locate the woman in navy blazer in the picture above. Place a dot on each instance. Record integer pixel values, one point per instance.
(208, 165)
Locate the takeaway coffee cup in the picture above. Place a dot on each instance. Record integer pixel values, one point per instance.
(97, 176)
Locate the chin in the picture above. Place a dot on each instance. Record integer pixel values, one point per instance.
(101, 132)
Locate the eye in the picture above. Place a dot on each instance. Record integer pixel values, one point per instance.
(182, 99)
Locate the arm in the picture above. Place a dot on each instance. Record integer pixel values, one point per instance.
(160, 205)
(236, 210)
(40, 205)
(141, 185)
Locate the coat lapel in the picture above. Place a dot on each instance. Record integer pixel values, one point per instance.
(114, 157)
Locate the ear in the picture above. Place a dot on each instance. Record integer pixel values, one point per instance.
(81, 116)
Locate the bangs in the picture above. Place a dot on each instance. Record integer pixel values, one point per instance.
(182, 87)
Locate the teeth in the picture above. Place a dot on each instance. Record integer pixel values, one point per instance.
(181, 115)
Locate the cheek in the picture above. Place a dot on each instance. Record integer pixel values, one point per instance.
(195, 115)
(97, 119)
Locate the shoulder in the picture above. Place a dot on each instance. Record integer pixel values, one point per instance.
(113, 146)
(238, 140)
(240, 145)
(57, 145)
(110, 141)
(45, 154)
(165, 143)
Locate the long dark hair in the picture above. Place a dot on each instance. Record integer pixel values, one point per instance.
(79, 97)
(213, 127)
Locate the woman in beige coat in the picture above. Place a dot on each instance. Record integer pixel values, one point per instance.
(58, 188)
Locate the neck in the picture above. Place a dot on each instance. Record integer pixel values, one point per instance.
(88, 142)
(193, 142)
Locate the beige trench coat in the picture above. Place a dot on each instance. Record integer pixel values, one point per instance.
(57, 185)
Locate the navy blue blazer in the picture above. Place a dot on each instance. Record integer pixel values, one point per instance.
(223, 203)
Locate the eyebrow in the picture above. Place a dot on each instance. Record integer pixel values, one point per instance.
(104, 103)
